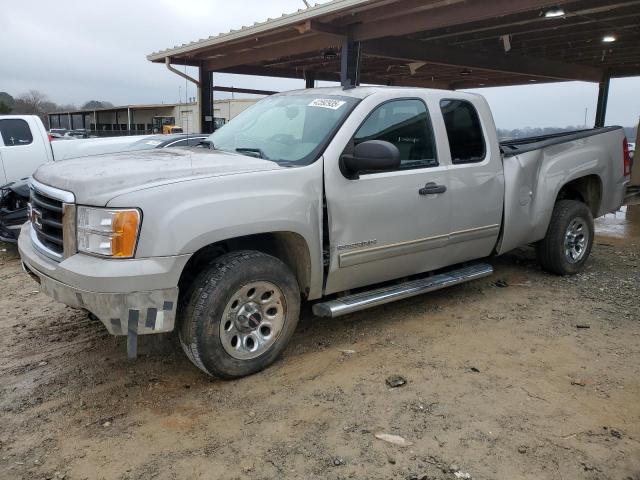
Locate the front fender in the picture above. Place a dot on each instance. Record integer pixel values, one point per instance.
(181, 218)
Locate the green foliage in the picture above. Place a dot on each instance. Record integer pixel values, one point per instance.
(95, 104)
(7, 100)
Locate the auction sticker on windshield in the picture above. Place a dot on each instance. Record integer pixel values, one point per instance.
(327, 103)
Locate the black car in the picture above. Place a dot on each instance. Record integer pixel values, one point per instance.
(166, 141)
(14, 200)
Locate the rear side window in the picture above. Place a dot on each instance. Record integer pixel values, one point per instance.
(179, 143)
(464, 131)
(15, 132)
(407, 125)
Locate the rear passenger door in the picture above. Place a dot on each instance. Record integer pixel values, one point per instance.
(476, 178)
(381, 226)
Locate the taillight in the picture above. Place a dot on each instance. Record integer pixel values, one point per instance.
(625, 156)
(50, 137)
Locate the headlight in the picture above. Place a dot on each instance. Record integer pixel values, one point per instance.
(108, 232)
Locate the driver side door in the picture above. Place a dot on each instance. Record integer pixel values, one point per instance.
(383, 225)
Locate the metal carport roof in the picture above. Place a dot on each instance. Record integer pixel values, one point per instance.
(432, 43)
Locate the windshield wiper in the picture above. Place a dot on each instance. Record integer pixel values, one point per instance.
(254, 152)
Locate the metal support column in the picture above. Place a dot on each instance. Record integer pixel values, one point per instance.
(206, 100)
(309, 79)
(350, 63)
(129, 120)
(603, 97)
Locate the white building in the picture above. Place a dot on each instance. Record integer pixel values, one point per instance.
(143, 119)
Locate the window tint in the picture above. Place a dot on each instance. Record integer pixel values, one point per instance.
(464, 131)
(15, 132)
(187, 142)
(406, 124)
(179, 143)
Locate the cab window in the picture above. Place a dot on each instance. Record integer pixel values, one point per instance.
(406, 124)
(464, 131)
(15, 131)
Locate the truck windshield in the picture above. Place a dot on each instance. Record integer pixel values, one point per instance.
(289, 129)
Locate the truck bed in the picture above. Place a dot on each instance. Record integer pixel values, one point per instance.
(517, 146)
(536, 168)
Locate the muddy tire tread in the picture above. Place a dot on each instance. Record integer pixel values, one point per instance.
(196, 306)
(549, 250)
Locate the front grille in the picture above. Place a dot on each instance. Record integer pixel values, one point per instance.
(46, 221)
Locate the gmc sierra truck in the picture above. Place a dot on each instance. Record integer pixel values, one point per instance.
(345, 198)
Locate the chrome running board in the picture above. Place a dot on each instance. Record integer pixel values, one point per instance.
(380, 296)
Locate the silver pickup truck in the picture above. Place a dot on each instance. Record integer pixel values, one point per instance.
(321, 195)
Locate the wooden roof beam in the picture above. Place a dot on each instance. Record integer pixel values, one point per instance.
(297, 46)
(507, 63)
(452, 15)
(502, 27)
(313, 26)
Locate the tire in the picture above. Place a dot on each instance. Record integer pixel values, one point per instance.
(571, 224)
(248, 295)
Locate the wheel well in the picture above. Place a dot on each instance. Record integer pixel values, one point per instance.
(289, 247)
(587, 190)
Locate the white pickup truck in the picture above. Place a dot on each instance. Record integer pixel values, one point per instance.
(25, 145)
(320, 195)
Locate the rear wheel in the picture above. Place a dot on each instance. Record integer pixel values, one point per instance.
(567, 245)
(240, 314)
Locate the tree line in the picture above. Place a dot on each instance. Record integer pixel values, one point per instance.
(37, 103)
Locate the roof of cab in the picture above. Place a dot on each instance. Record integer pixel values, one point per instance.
(365, 91)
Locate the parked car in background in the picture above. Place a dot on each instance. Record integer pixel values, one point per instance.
(347, 198)
(58, 136)
(165, 141)
(14, 201)
(79, 133)
(24, 146)
(14, 196)
(58, 132)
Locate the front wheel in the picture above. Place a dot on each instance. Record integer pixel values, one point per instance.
(240, 314)
(567, 245)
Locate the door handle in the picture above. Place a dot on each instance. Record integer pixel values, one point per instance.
(432, 188)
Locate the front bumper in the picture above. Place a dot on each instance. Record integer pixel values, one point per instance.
(128, 296)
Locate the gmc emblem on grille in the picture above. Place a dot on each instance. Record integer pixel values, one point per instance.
(36, 218)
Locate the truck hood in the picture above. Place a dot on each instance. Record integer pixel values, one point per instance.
(97, 179)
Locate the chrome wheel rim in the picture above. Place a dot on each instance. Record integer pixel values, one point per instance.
(576, 240)
(252, 320)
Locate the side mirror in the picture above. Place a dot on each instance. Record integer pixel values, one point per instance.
(371, 156)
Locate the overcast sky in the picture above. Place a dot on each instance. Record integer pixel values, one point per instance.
(76, 51)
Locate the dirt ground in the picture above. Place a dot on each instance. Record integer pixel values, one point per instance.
(538, 379)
